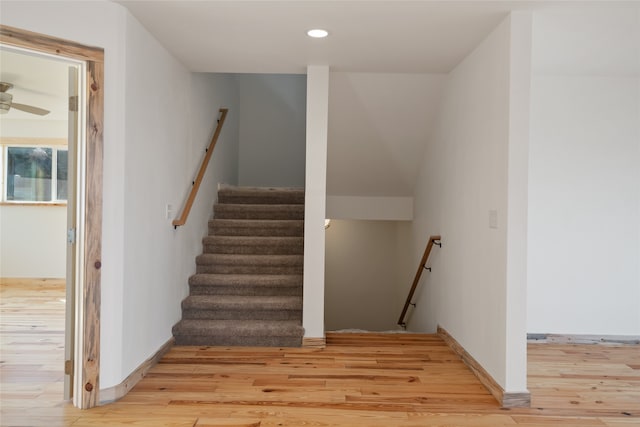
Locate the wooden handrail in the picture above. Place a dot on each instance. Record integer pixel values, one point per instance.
(432, 240)
(182, 219)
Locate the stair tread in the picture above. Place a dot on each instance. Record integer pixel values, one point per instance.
(252, 245)
(256, 227)
(237, 302)
(226, 188)
(275, 223)
(246, 284)
(263, 195)
(260, 259)
(240, 279)
(260, 240)
(258, 211)
(265, 206)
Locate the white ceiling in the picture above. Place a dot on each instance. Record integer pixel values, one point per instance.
(392, 36)
(270, 36)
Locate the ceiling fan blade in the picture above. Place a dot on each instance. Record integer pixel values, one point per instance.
(30, 109)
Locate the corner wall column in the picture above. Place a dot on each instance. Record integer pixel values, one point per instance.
(517, 205)
(315, 200)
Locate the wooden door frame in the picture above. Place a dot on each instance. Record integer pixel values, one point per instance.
(92, 260)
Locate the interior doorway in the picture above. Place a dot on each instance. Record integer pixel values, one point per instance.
(38, 146)
(84, 195)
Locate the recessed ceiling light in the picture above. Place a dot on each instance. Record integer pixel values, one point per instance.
(317, 33)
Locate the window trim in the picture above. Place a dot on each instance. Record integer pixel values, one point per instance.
(55, 144)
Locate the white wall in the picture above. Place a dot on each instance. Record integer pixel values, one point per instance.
(370, 208)
(272, 129)
(584, 183)
(34, 128)
(361, 275)
(33, 241)
(160, 164)
(33, 238)
(378, 123)
(209, 92)
(150, 155)
(465, 174)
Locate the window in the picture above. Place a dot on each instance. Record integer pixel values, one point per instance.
(35, 174)
(61, 174)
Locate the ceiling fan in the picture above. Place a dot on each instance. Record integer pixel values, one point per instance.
(6, 102)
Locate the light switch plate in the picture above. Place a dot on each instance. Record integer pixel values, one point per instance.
(493, 218)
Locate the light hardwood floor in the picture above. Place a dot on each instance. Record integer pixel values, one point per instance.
(358, 380)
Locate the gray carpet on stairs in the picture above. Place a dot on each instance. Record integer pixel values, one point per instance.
(247, 290)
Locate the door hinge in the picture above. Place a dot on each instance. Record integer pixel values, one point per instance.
(71, 236)
(68, 367)
(73, 103)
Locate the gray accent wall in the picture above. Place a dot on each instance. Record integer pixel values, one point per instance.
(272, 129)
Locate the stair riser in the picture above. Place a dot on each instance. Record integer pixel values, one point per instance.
(245, 290)
(218, 248)
(219, 230)
(259, 260)
(251, 304)
(257, 215)
(243, 314)
(250, 281)
(253, 212)
(275, 199)
(231, 328)
(247, 269)
(272, 341)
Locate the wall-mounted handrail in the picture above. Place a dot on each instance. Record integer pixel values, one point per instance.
(182, 219)
(433, 240)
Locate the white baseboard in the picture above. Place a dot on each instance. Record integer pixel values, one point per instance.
(505, 399)
(584, 339)
(111, 394)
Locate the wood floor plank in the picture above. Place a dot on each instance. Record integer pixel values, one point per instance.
(359, 379)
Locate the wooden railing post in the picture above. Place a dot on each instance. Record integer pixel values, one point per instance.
(182, 219)
(432, 240)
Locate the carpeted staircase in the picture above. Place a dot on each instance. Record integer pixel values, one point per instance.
(247, 290)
